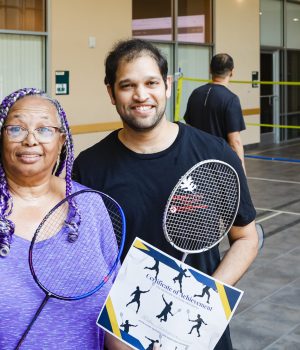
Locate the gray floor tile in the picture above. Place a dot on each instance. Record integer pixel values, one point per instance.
(287, 296)
(262, 325)
(290, 341)
(268, 317)
(246, 336)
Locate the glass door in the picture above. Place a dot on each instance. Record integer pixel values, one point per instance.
(269, 97)
(292, 114)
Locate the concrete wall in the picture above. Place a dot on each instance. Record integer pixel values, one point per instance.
(71, 24)
(91, 115)
(236, 31)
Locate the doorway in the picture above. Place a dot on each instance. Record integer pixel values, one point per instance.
(269, 97)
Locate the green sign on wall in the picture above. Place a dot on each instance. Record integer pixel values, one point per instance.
(62, 82)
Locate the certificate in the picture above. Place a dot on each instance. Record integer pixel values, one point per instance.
(159, 299)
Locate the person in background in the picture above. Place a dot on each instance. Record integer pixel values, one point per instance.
(215, 109)
(36, 149)
(140, 164)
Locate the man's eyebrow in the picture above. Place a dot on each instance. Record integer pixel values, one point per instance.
(124, 81)
(149, 77)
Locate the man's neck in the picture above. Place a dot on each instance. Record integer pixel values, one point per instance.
(149, 141)
(221, 80)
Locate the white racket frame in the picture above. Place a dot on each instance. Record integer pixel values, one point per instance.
(186, 251)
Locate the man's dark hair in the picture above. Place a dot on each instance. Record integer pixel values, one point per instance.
(128, 50)
(221, 65)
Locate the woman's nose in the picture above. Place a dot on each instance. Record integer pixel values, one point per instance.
(30, 139)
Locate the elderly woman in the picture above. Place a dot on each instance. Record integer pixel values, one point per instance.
(36, 148)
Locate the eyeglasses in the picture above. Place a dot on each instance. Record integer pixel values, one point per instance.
(43, 134)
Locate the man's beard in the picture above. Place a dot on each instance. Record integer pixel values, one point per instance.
(138, 124)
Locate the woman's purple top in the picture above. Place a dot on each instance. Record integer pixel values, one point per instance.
(63, 325)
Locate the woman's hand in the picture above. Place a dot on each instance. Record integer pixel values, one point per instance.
(112, 343)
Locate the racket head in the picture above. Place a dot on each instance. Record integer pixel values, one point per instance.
(72, 270)
(202, 206)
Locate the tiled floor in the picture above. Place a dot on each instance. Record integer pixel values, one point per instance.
(268, 317)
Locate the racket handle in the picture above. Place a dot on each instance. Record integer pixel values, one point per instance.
(184, 257)
(32, 321)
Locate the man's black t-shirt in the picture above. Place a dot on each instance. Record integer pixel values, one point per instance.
(142, 183)
(215, 109)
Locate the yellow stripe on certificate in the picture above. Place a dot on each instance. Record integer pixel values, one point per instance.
(224, 299)
(139, 245)
(112, 318)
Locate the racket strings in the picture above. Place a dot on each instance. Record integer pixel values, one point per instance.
(202, 207)
(116, 219)
(73, 269)
(86, 263)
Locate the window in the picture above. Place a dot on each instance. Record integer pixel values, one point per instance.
(21, 62)
(293, 25)
(194, 21)
(25, 15)
(271, 22)
(22, 45)
(184, 35)
(152, 19)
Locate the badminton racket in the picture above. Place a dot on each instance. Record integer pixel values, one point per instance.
(176, 312)
(76, 248)
(188, 313)
(202, 207)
